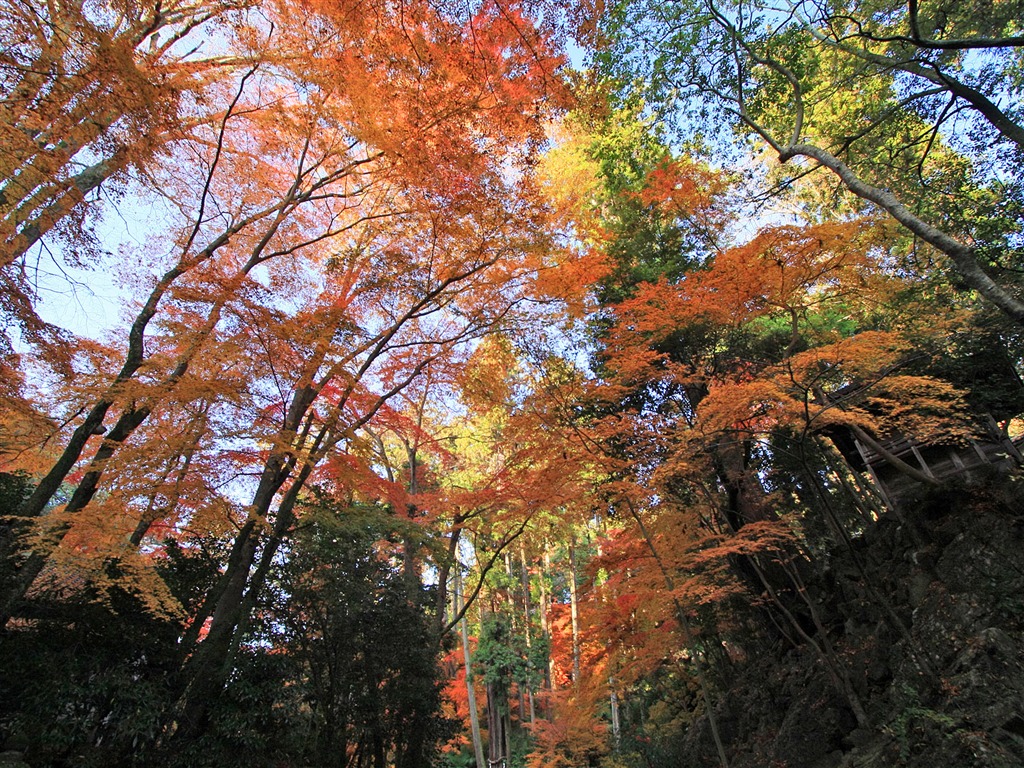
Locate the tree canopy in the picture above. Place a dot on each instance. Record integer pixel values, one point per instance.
(508, 382)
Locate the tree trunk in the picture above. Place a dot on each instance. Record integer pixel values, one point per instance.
(496, 733)
(549, 669)
(474, 717)
(207, 669)
(616, 726)
(964, 257)
(574, 612)
(527, 621)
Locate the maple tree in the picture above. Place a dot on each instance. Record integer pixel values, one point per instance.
(92, 95)
(335, 243)
(509, 478)
(721, 387)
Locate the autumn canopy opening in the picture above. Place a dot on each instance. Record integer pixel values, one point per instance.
(523, 384)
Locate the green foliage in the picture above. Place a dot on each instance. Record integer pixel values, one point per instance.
(87, 683)
(14, 489)
(914, 720)
(342, 657)
(658, 711)
(504, 656)
(464, 758)
(920, 107)
(357, 631)
(979, 359)
(643, 240)
(260, 720)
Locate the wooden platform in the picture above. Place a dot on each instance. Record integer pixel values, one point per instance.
(971, 461)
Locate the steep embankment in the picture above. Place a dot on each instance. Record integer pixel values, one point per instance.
(925, 614)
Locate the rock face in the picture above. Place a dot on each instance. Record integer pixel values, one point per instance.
(921, 624)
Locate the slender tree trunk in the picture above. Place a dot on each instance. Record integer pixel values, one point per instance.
(130, 420)
(527, 623)
(616, 725)
(207, 669)
(507, 727)
(836, 669)
(574, 612)
(474, 716)
(549, 668)
(496, 736)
